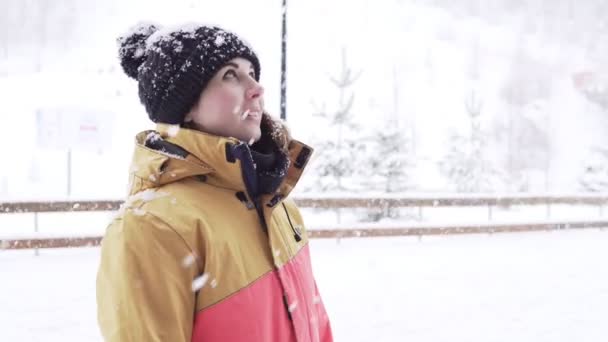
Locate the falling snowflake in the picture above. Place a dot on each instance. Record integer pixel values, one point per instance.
(139, 212)
(144, 196)
(139, 52)
(199, 282)
(148, 195)
(188, 260)
(173, 130)
(219, 40)
(293, 306)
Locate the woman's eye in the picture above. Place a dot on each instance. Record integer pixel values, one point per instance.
(229, 74)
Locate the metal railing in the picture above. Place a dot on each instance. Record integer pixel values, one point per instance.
(372, 230)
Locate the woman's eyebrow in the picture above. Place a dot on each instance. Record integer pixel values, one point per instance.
(236, 66)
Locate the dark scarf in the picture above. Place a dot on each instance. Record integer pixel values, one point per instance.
(271, 165)
(269, 156)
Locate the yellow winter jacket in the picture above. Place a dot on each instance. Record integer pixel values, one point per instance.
(191, 256)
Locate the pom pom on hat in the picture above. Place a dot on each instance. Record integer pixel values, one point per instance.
(132, 47)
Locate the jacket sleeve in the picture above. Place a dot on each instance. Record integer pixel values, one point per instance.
(144, 282)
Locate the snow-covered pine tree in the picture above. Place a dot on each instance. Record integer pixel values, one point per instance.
(338, 151)
(392, 161)
(388, 164)
(465, 164)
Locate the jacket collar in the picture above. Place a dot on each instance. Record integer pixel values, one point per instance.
(219, 159)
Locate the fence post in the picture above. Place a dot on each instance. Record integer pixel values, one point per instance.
(36, 251)
(601, 212)
(489, 212)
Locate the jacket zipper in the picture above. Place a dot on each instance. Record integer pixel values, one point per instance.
(260, 211)
(253, 204)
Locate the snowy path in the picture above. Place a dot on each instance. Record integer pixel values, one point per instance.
(510, 287)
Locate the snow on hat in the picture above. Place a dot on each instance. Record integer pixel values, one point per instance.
(173, 66)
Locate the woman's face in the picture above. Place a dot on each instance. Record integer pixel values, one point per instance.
(232, 103)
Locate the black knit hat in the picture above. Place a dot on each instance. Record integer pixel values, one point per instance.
(173, 67)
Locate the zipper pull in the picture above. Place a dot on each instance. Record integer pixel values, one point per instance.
(297, 232)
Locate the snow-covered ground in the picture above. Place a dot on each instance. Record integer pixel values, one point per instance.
(549, 286)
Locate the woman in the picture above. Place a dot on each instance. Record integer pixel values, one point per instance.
(208, 247)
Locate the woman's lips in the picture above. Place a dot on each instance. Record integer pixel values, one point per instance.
(251, 113)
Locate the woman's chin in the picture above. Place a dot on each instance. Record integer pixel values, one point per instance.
(251, 136)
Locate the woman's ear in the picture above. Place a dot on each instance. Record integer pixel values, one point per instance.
(188, 117)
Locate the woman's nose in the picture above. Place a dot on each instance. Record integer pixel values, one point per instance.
(255, 91)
